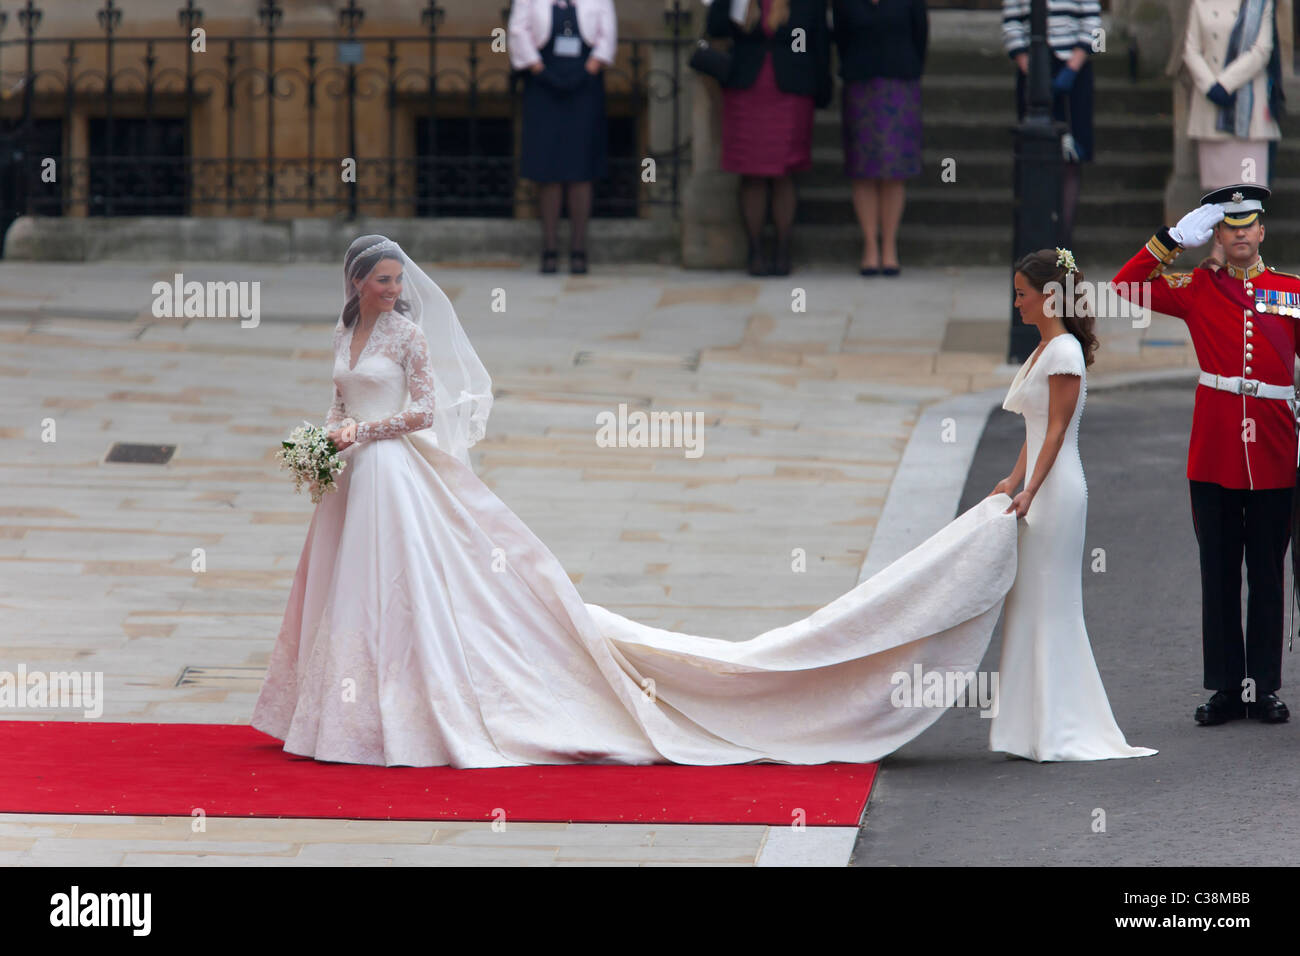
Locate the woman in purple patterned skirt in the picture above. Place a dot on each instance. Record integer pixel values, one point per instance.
(882, 55)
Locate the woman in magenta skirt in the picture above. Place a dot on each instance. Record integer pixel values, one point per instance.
(780, 72)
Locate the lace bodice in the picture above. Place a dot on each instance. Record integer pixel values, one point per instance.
(393, 364)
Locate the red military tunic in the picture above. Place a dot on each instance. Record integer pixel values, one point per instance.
(1232, 337)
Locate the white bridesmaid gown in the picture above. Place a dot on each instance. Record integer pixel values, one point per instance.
(427, 625)
(1051, 702)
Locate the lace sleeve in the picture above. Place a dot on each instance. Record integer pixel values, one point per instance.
(419, 382)
(337, 415)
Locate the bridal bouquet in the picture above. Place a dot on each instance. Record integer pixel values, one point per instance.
(312, 459)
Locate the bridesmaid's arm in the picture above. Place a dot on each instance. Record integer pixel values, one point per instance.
(1011, 482)
(1063, 395)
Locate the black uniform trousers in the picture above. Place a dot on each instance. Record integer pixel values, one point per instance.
(1230, 523)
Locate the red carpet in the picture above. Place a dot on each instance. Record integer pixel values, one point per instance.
(236, 771)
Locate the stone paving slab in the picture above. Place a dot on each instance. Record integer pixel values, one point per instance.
(807, 417)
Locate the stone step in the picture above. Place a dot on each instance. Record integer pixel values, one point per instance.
(956, 204)
(1121, 169)
(933, 245)
(960, 92)
(986, 57)
(958, 132)
(922, 243)
(451, 239)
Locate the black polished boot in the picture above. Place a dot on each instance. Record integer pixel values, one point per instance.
(1220, 708)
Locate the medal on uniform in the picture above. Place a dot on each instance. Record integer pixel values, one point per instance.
(1276, 302)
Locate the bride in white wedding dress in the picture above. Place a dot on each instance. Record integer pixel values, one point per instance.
(427, 625)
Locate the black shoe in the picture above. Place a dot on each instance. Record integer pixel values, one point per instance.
(890, 270)
(1220, 708)
(869, 271)
(578, 262)
(550, 260)
(757, 264)
(781, 261)
(1269, 710)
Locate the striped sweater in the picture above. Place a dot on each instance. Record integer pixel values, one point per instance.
(1070, 24)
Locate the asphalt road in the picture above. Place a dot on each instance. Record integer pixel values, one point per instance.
(1213, 796)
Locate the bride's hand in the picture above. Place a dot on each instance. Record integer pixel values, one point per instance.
(345, 436)
(1020, 504)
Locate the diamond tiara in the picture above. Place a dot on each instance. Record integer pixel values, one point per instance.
(378, 245)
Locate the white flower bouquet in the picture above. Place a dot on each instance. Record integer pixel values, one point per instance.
(312, 459)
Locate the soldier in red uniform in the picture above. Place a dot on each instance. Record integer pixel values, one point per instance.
(1241, 461)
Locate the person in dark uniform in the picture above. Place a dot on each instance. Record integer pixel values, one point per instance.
(564, 46)
(1241, 461)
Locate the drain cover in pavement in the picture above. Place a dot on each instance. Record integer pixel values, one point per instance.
(140, 454)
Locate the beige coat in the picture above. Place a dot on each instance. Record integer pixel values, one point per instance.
(1209, 23)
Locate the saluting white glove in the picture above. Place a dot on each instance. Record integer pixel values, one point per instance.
(1197, 226)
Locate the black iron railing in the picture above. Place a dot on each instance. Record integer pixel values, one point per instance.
(279, 124)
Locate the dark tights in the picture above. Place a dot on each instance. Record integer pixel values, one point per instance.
(753, 205)
(549, 198)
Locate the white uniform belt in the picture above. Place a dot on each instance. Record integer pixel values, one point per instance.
(1247, 386)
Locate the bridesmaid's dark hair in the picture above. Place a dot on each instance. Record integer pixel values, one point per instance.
(1039, 268)
(359, 266)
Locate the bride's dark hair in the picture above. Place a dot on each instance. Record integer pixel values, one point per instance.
(358, 266)
(1039, 268)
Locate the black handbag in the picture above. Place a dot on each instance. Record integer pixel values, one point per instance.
(711, 61)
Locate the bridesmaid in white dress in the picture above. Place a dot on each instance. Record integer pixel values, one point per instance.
(1051, 702)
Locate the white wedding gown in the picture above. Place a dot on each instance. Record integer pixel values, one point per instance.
(1051, 702)
(427, 625)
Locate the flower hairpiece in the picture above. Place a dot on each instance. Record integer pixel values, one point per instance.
(1064, 257)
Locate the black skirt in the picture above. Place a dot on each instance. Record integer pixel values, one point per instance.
(565, 137)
